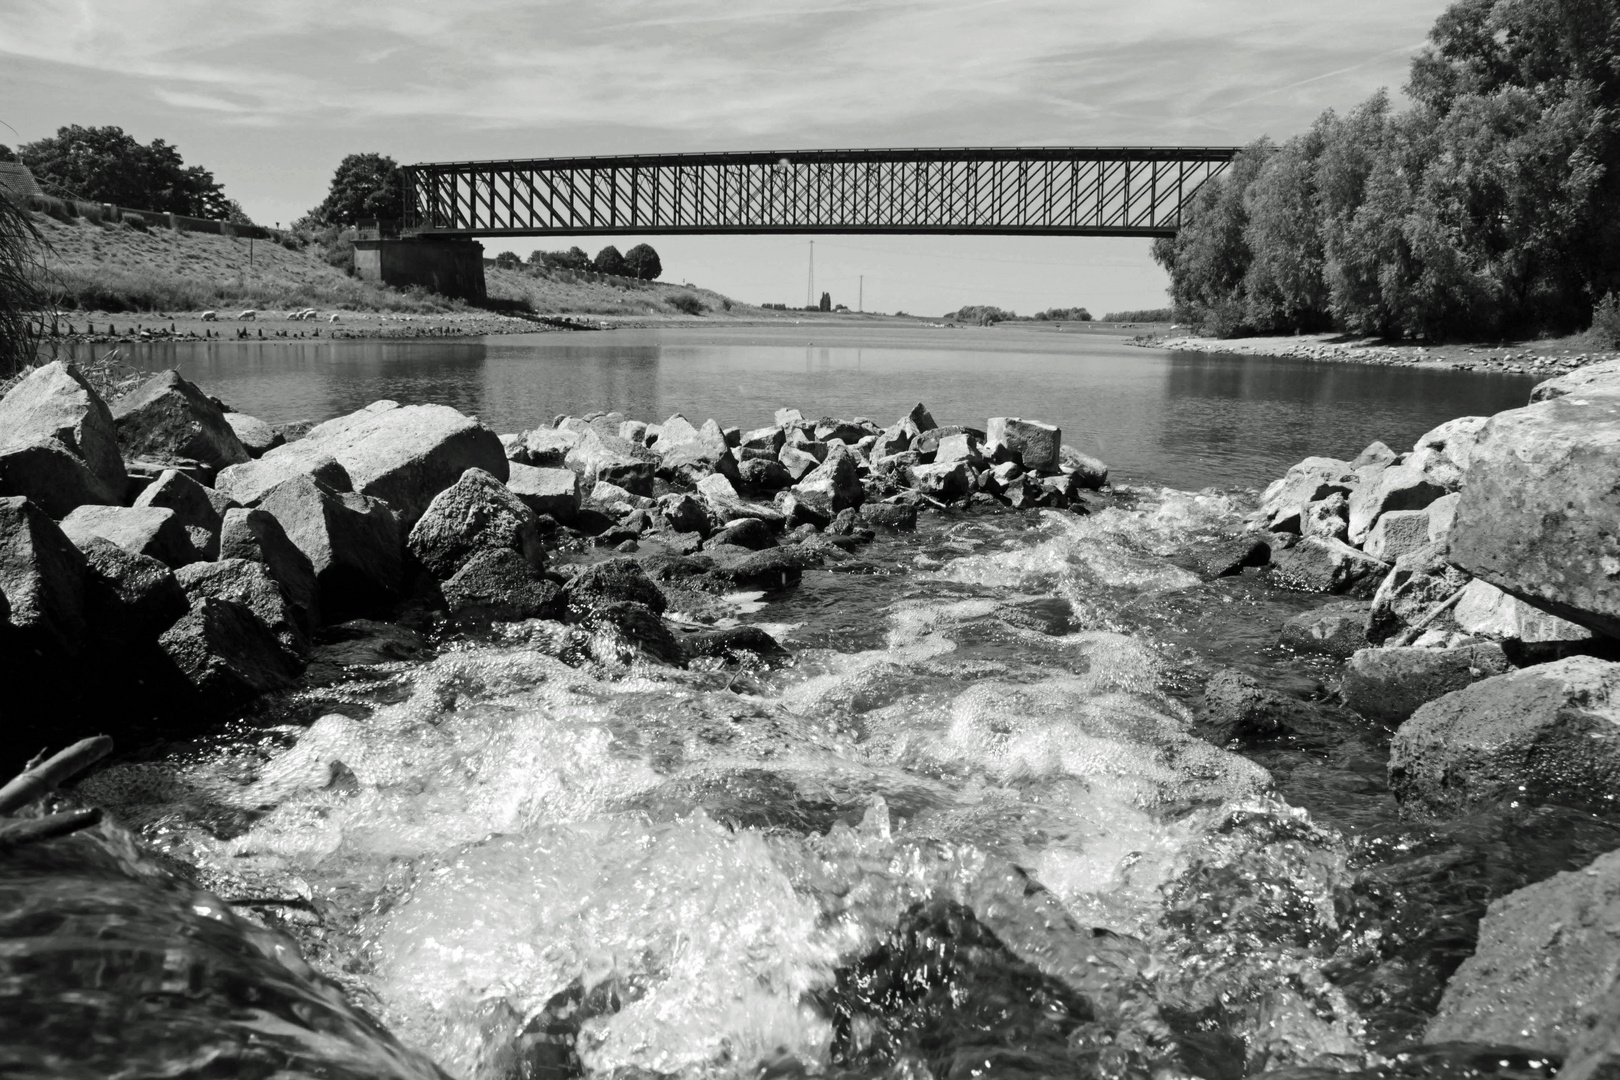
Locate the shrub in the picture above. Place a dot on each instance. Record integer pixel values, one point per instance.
(507, 260)
(687, 304)
(980, 314)
(21, 247)
(1605, 332)
(1141, 315)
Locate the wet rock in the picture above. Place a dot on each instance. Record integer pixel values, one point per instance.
(1091, 473)
(1397, 533)
(499, 583)
(1420, 580)
(42, 575)
(1307, 482)
(748, 532)
(890, 515)
(614, 581)
(738, 643)
(129, 598)
(1602, 377)
(257, 536)
(365, 643)
(1316, 564)
(1400, 487)
(624, 629)
(771, 570)
(1390, 684)
(1540, 515)
(149, 530)
(1051, 615)
(200, 510)
(167, 417)
(797, 513)
(763, 475)
(1211, 559)
(1543, 973)
(1376, 454)
(353, 543)
(1543, 734)
(251, 585)
(474, 514)
(554, 492)
(248, 484)
(1328, 518)
(1038, 445)
(58, 443)
(1484, 609)
(1237, 708)
(1334, 629)
(832, 485)
(256, 436)
(226, 655)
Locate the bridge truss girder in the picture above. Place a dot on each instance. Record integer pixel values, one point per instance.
(1045, 191)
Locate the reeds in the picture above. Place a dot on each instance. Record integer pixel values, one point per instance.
(22, 297)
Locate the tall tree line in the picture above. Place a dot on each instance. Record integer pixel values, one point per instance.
(1491, 206)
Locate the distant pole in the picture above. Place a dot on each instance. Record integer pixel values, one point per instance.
(810, 287)
(860, 295)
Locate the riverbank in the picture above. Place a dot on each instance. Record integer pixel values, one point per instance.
(1538, 357)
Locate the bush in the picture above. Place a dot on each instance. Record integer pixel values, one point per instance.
(1605, 332)
(507, 260)
(687, 304)
(1162, 314)
(980, 315)
(1063, 314)
(21, 248)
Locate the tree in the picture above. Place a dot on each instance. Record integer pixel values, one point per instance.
(609, 261)
(572, 259)
(507, 260)
(642, 262)
(7, 153)
(107, 165)
(826, 302)
(364, 187)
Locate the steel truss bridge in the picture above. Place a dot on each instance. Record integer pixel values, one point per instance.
(1038, 191)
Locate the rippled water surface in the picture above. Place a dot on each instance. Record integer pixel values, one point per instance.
(967, 830)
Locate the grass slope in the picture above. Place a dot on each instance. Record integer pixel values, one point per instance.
(584, 292)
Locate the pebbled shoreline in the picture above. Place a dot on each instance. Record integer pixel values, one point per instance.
(1521, 358)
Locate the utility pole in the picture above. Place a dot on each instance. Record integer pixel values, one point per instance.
(810, 289)
(860, 296)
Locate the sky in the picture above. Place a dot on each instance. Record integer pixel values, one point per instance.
(270, 95)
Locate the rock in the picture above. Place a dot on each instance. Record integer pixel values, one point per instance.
(1328, 518)
(685, 514)
(890, 515)
(1443, 454)
(200, 510)
(1486, 610)
(959, 447)
(1236, 707)
(943, 480)
(544, 448)
(58, 442)
(786, 418)
(129, 598)
(403, 455)
(257, 536)
(1307, 482)
(1400, 487)
(1540, 516)
(1600, 378)
(546, 490)
(748, 532)
(764, 475)
(772, 570)
(631, 629)
(474, 514)
(167, 417)
(353, 543)
(797, 513)
(738, 643)
(765, 438)
(256, 436)
(609, 459)
(611, 582)
(846, 432)
(927, 442)
(1442, 515)
(633, 432)
(832, 485)
(917, 421)
(1375, 454)
(1421, 579)
(1542, 975)
(227, 655)
(891, 441)
(1390, 684)
(1211, 559)
(248, 484)
(1337, 629)
(251, 585)
(1089, 471)
(365, 643)
(499, 583)
(145, 530)
(42, 575)
(1038, 445)
(688, 454)
(1398, 532)
(1316, 564)
(798, 463)
(1543, 734)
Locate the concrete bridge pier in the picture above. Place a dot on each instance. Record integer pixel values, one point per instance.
(448, 267)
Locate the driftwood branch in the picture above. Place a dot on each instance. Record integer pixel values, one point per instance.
(38, 781)
(20, 831)
(1410, 634)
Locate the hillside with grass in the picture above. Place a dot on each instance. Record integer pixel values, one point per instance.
(586, 292)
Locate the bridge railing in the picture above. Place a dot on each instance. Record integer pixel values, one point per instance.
(1078, 191)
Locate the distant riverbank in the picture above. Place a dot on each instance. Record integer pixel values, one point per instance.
(1550, 356)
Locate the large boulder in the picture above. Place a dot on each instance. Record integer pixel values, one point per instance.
(256, 435)
(58, 443)
(1390, 684)
(943, 479)
(146, 530)
(167, 419)
(1443, 454)
(1309, 481)
(499, 583)
(1092, 473)
(1337, 629)
(401, 454)
(1486, 610)
(610, 459)
(1540, 511)
(554, 492)
(1396, 533)
(251, 585)
(256, 535)
(226, 655)
(1400, 487)
(353, 544)
(689, 454)
(129, 599)
(42, 575)
(474, 514)
(834, 484)
(1602, 377)
(200, 510)
(1237, 708)
(543, 448)
(1317, 564)
(1421, 580)
(1039, 446)
(624, 631)
(1543, 974)
(249, 483)
(1543, 734)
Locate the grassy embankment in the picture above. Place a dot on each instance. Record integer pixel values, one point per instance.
(107, 269)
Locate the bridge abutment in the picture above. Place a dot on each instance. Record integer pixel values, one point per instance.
(448, 267)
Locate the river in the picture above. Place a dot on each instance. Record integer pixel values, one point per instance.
(966, 831)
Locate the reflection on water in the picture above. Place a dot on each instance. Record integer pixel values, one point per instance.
(1187, 420)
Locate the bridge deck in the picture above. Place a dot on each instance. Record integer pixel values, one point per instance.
(1044, 190)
